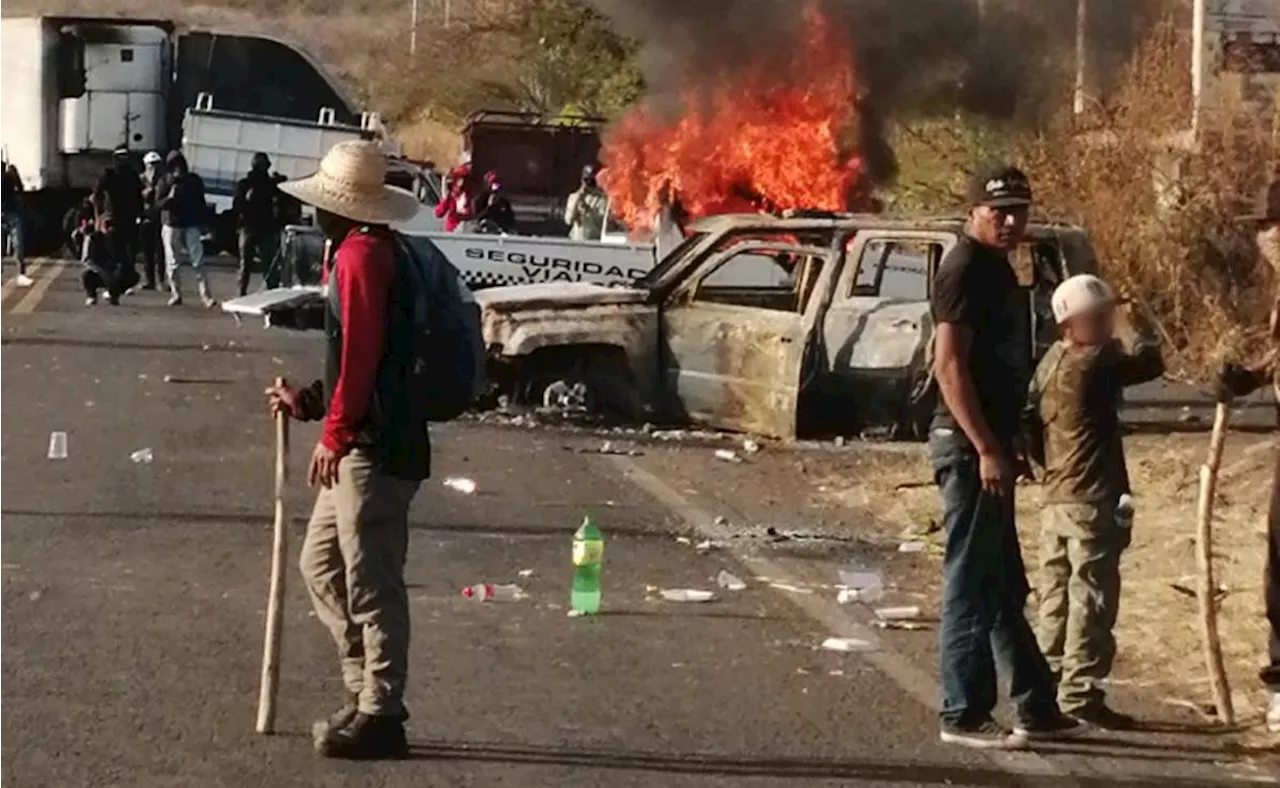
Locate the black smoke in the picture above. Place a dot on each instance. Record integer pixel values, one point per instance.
(998, 58)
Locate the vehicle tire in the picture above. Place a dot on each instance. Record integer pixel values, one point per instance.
(610, 389)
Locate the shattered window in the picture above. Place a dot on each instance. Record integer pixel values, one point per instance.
(762, 278)
(895, 269)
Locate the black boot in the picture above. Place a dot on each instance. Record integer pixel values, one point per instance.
(366, 737)
(336, 721)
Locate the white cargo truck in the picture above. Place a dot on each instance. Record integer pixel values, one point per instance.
(77, 88)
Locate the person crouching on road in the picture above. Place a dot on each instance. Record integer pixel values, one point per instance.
(982, 367)
(182, 215)
(370, 459)
(1073, 429)
(102, 266)
(1239, 381)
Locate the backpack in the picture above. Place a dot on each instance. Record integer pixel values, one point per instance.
(446, 369)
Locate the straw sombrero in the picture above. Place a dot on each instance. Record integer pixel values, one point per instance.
(351, 184)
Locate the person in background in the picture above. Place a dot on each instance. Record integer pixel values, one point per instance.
(102, 264)
(149, 222)
(1072, 424)
(455, 206)
(182, 216)
(257, 210)
(982, 366)
(586, 209)
(1238, 381)
(372, 454)
(493, 209)
(126, 202)
(13, 215)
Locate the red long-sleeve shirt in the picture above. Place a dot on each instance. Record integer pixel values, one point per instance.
(365, 265)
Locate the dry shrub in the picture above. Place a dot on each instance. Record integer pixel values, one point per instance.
(1161, 208)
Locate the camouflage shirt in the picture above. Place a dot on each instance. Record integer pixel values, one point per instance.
(1072, 417)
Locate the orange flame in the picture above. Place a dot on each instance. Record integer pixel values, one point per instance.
(759, 141)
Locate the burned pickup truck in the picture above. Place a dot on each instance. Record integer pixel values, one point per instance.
(835, 343)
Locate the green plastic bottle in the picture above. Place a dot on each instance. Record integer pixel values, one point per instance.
(588, 557)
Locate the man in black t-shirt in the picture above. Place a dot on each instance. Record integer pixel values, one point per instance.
(983, 365)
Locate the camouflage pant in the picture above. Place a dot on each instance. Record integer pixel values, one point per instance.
(1079, 589)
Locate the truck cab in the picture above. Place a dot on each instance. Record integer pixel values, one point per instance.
(77, 88)
(835, 343)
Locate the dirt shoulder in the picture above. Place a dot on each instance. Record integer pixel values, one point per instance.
(882, 495)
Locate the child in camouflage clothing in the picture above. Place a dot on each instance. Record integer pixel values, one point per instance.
(1073, 430)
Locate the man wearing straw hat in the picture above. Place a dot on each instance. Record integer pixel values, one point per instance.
(1238, 381)
(371, 456)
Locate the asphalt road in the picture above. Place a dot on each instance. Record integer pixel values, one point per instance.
(134, 595)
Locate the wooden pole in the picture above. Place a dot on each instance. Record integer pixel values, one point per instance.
(1206, 590)
(275, 598)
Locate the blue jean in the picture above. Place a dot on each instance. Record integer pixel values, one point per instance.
(13, 240)
(984, 594)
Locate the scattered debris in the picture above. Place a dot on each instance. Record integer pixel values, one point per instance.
(461, 484)
(608, 448)
(729, 581)
(789, 587)
(704, 546)
(1187, 587)
(565, 397)
(728, 455)
(846, 644)
(487, 592)
(750, 446)
(34, 596)
(683, 540)
(57, 445)
(525, 573)
(835, 672)
(196, 381)
(686, 595)
(839, 441)
(848, 595)
(720, 520)
(143, 456)
(903, 613)
(910, 626)
(914, 546)
(575, 614)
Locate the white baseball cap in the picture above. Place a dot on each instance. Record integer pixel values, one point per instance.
(151, 158)
(1079, 295)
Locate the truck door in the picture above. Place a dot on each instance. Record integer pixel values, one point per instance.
(876, 329)
(736, 336)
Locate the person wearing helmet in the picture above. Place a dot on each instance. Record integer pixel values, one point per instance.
(455, 206)
(149, 222)
(586, 209)
(493, 210)
(1072, 426)
(256, 206)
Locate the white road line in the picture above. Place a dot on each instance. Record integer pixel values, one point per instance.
(33, 297)
(1026, 766)
(11, 284)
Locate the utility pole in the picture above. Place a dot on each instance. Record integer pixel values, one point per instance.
(1197, 64)
(1082, 24)
(413, 27)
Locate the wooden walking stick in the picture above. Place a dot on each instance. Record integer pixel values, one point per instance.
(1206, 589)
(275, 599)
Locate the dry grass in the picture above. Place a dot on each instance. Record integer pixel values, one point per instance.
(1161, 209)
(1158, 630)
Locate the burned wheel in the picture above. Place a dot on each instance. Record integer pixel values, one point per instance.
(591, 381)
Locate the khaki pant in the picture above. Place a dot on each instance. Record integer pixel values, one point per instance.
(353, 565)
(1079, 589)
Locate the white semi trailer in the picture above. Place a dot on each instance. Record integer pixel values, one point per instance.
(77, 88)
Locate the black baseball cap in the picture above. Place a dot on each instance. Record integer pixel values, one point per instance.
(1000, 186)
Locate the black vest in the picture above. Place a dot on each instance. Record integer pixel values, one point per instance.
(393, 431)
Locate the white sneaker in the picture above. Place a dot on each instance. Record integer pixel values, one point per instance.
(1273, 713)
(23, 280)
